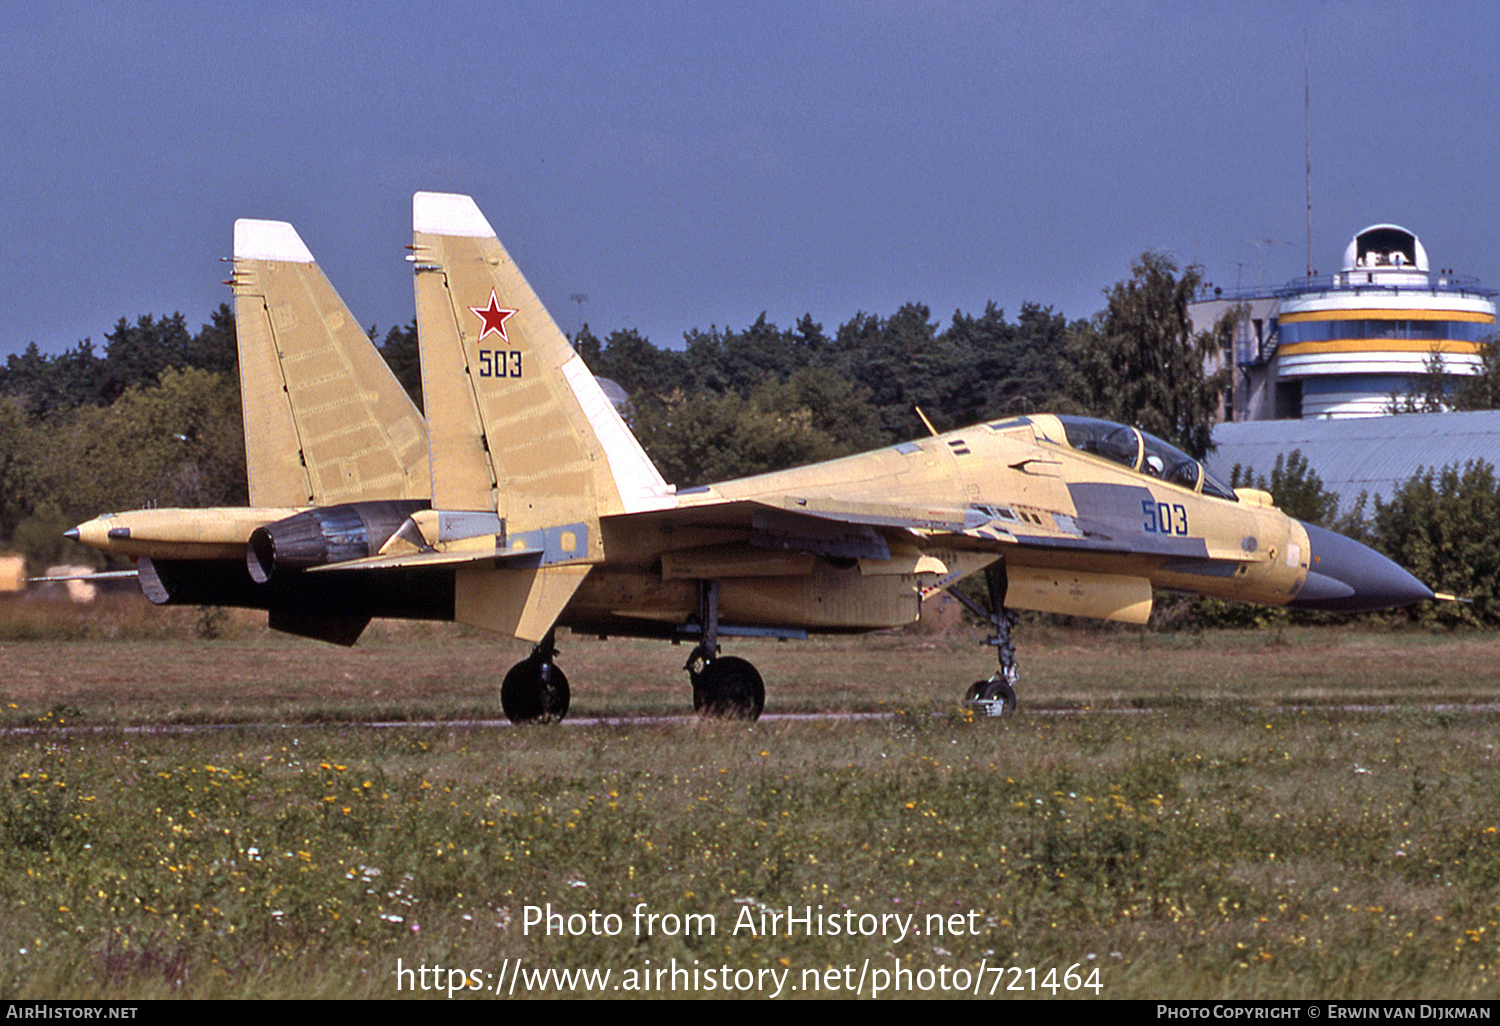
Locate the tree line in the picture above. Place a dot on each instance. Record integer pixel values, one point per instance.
(732, 402)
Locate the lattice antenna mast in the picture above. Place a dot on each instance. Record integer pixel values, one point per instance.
(1307, 143)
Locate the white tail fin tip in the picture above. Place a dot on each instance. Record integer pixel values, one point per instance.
(446, 213)
(269, 240)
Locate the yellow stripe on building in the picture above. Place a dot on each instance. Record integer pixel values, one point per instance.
(1388, 315)
(1383, 345)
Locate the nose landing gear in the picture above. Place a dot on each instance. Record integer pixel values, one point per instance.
(997, 695)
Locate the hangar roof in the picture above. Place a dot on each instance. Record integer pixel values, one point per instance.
(1365, 454)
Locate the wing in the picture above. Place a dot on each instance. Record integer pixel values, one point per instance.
(1101, 559)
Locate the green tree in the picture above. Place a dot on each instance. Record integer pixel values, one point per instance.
(1444, 528)
(1427, 394)
(905, 363)
(1140, 362)
(587, 345)
(214, 348)
(136, 354)
(838, 408)
(630, 360)
(178, 442)
(978, 368)
(1295, 487)
(1004, 369)
(738, 361)
(808, 342)
(18, 441)
(1439, 391)
(45, 384)
(403, 355)
(24, 374)
(699, 438)
(39, 537)
(1482, 390)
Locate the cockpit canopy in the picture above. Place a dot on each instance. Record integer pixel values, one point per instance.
(1143, 453)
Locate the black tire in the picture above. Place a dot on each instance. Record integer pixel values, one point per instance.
(998, 689)
(729, 688)
(534, 692)
(974, 689)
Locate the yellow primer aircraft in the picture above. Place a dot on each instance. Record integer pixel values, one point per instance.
(524, 503)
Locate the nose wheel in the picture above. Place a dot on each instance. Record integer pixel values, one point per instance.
(993, 691)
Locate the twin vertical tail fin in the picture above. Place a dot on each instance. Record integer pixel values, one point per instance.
(326, 421)
(518, 425)
(520, 453)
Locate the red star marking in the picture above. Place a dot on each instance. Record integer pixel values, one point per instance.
(494, 318)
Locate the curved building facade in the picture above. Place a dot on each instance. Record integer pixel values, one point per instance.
(1373, 329)
(1343, 345)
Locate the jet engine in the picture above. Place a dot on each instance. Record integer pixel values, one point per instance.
(328, 534)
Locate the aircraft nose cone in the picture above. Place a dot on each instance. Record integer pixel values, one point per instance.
(1347, 577)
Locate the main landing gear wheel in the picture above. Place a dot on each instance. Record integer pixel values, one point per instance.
(724, 687)
(729, 688)
(534, 691)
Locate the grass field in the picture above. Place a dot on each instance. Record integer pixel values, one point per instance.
(1297, 813)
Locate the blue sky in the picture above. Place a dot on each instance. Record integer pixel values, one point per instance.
(689, 164)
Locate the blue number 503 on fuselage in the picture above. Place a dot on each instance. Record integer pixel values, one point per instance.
(1164, 518)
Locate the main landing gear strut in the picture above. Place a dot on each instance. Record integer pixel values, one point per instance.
(1001, 686)
(724, 687)
(535, 690)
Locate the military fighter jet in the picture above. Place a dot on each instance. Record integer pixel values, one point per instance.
(544, 511)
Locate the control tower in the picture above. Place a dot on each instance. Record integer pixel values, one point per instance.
(1342, 345)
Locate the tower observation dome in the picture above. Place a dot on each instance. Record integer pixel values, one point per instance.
(1342, 345)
